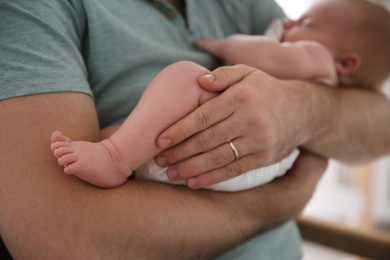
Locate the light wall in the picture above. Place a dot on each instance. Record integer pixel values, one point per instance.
(294, 9)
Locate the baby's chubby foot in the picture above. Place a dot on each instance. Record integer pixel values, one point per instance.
(97, 163)
(62, 149)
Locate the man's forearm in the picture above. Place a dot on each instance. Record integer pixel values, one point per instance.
(347, 124)
(150, 220)
(46, 214)
(229, 218)
(146, 221)
(173, 222)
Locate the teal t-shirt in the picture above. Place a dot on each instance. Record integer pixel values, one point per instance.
(112, 49)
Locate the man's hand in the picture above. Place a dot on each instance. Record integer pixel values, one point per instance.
(261, 115)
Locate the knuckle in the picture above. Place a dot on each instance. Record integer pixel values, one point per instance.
(232, 170)
(225, 72)
(205, 141)
(244, 95)
(203, 119)
(268, 158)
(181, 133)
(251, 120)
(175, 155)
(244, 70)
(264, 134)
(260, 142)
(217, 157)
(187, 170)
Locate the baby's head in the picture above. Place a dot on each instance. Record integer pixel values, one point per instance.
(357, 33)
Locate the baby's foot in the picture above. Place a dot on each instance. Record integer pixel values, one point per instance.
(96, 163)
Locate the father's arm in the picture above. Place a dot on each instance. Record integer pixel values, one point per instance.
(269, 118)
(46, 214)
(348, 124)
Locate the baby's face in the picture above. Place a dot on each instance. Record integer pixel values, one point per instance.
(324, 23)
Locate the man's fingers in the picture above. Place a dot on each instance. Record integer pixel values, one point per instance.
(211, 112)
(224, 77)
(304, 168)
(202, 142)
(214, 159)
(203, 117)
(224, 173)
(205, 162)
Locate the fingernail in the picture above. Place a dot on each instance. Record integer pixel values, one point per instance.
(161, 161)
(172, 174)
(192, 183)
(210, 77)
(165, 143)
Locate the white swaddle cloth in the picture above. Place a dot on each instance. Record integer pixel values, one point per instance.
(151, 172)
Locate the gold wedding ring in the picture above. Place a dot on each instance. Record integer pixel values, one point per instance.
(235, 151)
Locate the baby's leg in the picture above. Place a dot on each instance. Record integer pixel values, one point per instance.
(173, 94)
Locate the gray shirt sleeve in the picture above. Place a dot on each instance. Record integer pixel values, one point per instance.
(40, 48)
(263, 12)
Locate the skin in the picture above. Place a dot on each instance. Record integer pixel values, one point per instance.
(288, 114)
(48, 215)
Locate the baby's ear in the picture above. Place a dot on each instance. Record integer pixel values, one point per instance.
(347, 63)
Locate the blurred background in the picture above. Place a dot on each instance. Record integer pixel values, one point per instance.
(357, 197)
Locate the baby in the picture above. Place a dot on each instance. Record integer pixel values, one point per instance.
(336, 42)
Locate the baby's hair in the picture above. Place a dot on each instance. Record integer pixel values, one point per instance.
(370, 38)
